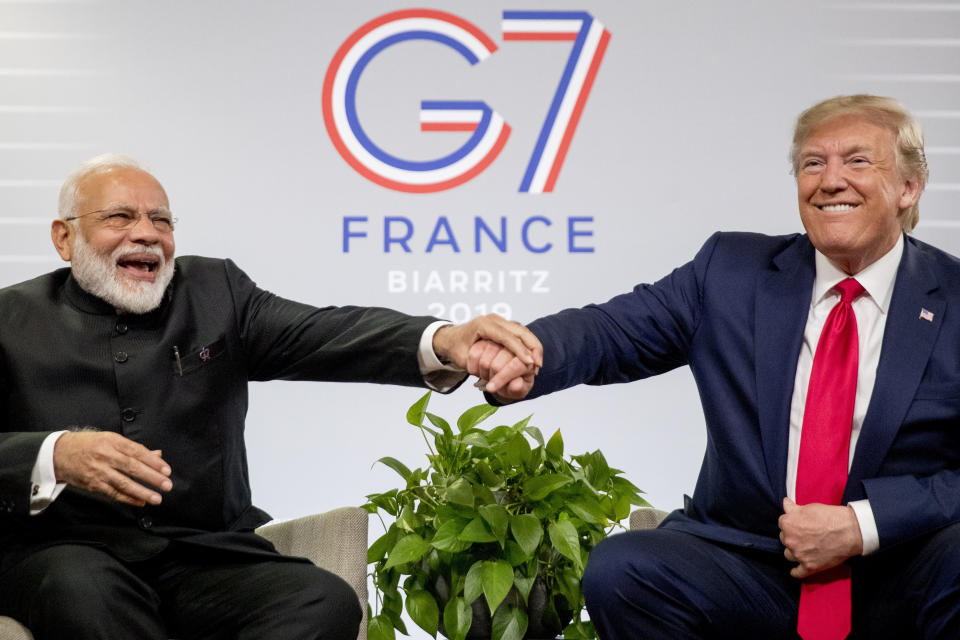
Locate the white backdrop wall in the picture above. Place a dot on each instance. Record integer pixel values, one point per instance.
(685, 132)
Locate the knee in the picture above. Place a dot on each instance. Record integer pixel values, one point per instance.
(618, 568)
(80, 588)
(330, 606)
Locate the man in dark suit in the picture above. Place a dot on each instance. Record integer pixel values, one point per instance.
(125, 507)
(749, 553)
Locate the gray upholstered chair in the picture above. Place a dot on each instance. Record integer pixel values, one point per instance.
(336, 541)
(639, 519)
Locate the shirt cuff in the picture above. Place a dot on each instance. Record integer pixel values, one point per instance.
(868, 525)
(44, 487)
(437, 375)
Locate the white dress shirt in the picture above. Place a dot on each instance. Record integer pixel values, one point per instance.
(871, 310)
(43, 480)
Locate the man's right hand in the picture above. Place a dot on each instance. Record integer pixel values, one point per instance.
(108, 463)
(506, 377)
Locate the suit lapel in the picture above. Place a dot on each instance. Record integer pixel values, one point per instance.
(908, 342)
(782, 306)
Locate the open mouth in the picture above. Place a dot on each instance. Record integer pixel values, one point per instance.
(139, 266)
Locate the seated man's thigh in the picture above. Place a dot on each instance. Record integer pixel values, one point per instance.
(668, 584)
(77, 591)
(911, 590)
(259, 599)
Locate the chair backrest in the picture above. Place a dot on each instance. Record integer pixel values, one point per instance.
(647, 518)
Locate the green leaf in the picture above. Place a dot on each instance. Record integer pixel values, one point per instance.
(460, 492)
(487, 475)
(539, 487)
(580, 630)
(423, 610)
(598, 472)
(475, 439)
(473, 585)
(457, 617)
(499, 434)
(409, 520)
(447, 537)
(381, 545)
(397, 466)
(536, 434)
(621, 508)
(555, 445)
(522, 425)
(509, 623)
(523, 583)
(477, 531)
(527, 531)
(518, 451)
(498, 519)
(440, 423)
(380, 628)
(419, 408)
(624, 487)
(474, 416)
(386, 501)
(563, 537)
(497, 579)
(587, 508)
(408, 548)
(514, 554)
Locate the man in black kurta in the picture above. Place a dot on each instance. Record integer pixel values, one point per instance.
(165, 391)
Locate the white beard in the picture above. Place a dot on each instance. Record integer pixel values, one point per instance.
(99, 275)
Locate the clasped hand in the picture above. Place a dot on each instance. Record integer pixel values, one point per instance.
(818, 536)
(505, 355)
(108, 463)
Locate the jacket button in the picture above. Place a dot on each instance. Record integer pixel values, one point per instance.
(122, 328)
(146, 522)
(128, 415)
(120, 356)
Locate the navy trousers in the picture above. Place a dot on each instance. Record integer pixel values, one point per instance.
(670, 585)
(84, 593)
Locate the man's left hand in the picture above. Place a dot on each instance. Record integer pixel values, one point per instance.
(818, 536)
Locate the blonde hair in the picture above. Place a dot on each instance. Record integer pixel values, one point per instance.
(883, 112)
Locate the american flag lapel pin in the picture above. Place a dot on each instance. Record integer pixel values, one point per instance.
(926, 315)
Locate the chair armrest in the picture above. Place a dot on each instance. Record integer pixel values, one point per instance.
(10, 629)
(646, 518)
(335, 541)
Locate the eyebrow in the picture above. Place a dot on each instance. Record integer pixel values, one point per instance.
(857, 148)
(123, 206)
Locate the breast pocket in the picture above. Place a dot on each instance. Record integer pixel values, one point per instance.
(196, 358)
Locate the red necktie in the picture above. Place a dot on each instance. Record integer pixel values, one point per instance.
(824, 456)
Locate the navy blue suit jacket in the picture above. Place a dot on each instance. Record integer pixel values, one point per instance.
(736, 315)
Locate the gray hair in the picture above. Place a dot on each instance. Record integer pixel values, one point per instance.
(883, 112)
(67, 203)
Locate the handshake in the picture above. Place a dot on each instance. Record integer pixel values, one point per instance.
(504, 355)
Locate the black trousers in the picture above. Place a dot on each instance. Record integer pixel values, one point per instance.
(672, 585)
(83, 592)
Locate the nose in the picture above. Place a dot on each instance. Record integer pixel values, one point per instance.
(833, 178)
(143, 231)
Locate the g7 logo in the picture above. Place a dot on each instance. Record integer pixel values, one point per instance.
(489, 130)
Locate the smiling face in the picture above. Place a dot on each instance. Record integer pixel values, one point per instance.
(128, 267)
(850, 191)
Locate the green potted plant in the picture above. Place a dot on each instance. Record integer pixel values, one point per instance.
(490, 538)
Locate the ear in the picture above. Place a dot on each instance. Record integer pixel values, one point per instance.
(62, 233)
(910, 193)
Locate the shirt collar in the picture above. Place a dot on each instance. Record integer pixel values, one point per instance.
(877, 278)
